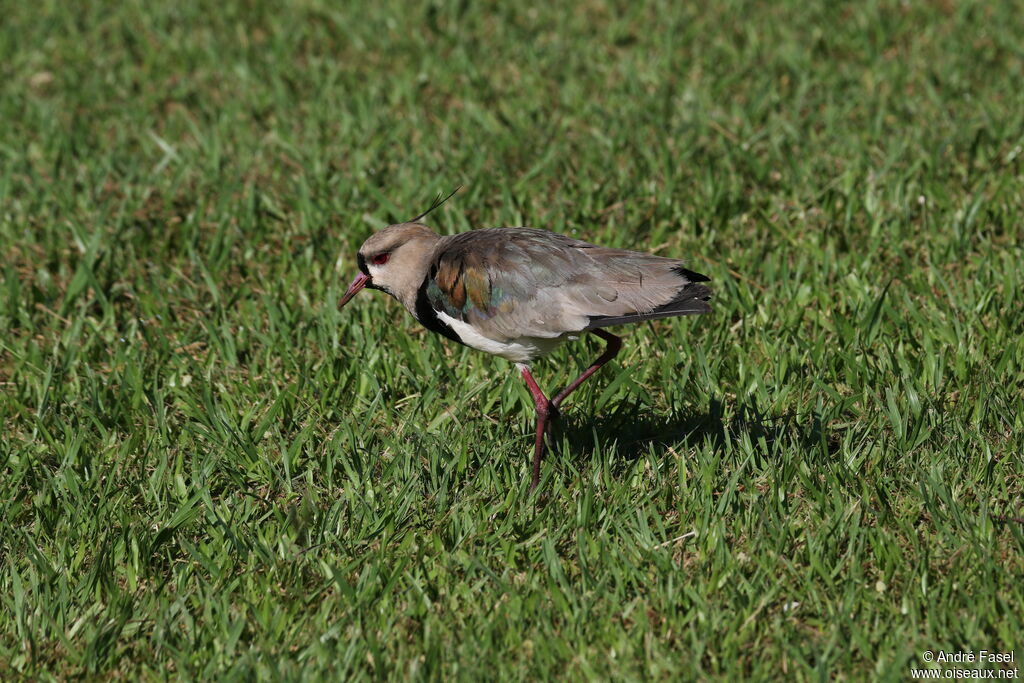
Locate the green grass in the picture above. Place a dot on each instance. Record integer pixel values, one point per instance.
(210, 471)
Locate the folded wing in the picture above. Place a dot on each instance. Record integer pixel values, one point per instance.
(520, 282)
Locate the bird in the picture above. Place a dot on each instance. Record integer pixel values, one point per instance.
(519, 292)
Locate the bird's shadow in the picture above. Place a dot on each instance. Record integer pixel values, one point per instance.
(633, 429)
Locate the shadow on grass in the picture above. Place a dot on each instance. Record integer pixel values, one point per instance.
(634, 428)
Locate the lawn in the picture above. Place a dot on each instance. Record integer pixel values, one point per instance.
(210, 471)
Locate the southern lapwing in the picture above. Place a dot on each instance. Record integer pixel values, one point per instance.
(519, 292)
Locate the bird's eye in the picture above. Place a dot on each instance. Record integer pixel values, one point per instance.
(381, 259)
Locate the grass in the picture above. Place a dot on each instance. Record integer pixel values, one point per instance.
(212, 472)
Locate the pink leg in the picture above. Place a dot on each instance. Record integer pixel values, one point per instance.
(614, 344)
(547, 409)
(543, 406)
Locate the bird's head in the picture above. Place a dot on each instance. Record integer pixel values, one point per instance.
(394, 260)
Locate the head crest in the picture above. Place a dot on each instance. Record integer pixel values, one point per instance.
(436, 203)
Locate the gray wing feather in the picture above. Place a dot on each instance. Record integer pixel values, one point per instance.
(521, 282)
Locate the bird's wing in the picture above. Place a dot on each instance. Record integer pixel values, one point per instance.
(520, 282)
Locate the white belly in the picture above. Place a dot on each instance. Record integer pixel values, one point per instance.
(520, 350)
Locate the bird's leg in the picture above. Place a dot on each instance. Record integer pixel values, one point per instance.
(548, 409)
(614, 344)
(544, 409)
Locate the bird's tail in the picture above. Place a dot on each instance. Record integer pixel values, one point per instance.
(691, 299)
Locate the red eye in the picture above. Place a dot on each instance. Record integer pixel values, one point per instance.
(381, 259)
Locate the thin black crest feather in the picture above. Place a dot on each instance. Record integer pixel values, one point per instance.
(436, 203)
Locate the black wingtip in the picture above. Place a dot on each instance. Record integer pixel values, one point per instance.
(691, 300)
(690, 275)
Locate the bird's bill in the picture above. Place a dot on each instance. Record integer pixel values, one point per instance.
(361, 281)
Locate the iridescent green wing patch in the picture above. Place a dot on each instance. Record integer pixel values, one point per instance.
(460, 286)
